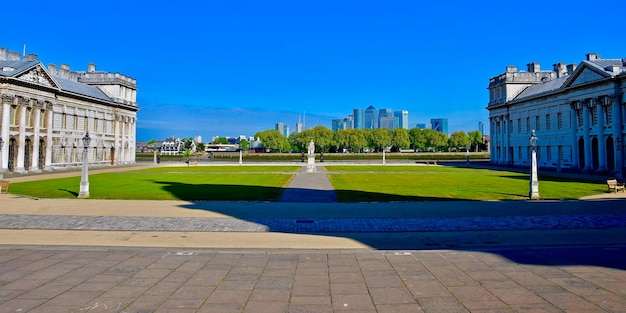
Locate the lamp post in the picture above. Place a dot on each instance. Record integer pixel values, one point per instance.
(84, 180)
(534, 180)
(1, 167)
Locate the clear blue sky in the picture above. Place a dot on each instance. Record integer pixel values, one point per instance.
(236, 67)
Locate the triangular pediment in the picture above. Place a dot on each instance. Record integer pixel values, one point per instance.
(38, 75)
(586, 73)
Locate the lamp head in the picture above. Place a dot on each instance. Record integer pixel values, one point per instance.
(533, 139)
(86, 140)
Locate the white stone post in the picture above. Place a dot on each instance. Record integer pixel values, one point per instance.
(534, 178)
(84, 178)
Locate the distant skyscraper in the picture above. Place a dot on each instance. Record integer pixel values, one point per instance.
(370, 120)
(386, 119)
(283, 129)
(402, 119)
(358, 115)
(481, 128)
(440, 124)
(339, 123)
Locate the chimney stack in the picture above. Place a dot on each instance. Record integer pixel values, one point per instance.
(571, 68)
(511, 69)
(13, 56)
(560, 69)
(3, 54)
(30, 57)
(593, 57)
(91, 68)
(64, 71)
(52, 68)
(533, 67)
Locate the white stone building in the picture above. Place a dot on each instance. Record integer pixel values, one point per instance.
(578, 112)
(45, 112)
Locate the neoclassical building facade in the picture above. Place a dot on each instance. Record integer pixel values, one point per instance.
(578, 112)
(45, 112)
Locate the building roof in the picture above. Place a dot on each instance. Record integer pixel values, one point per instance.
(81, 89)
(541, 88)
(16, 68)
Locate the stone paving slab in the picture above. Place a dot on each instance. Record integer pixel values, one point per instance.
(555, 279)
(298, 226)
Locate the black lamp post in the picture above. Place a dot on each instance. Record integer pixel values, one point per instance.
(84, 180)
(534, 179)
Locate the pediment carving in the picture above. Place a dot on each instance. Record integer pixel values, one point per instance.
(39, 76)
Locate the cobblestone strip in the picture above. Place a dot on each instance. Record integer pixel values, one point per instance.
(15, 221)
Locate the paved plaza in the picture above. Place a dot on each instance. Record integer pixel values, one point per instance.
(312, 256)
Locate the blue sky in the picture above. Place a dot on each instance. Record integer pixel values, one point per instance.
(237, 67)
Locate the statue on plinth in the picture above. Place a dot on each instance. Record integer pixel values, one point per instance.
(310, 168)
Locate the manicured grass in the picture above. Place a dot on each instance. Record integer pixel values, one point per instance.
(420, 183)
(352, 184)
(184, 183)
(219, 169)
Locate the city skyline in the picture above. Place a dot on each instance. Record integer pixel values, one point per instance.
(239, 67)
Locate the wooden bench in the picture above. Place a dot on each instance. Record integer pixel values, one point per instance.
(613, 184)
(4, 186)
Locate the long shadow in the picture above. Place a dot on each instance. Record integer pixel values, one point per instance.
(261, 206)
(74, 193)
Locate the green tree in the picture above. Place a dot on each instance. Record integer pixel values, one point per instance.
(323, 138)
(152, 141)
(299, 141)
(475, 138)
(457, 140)
(378, 139)
(187, 143)
(220, 140)
(400, 139)
(244, 145)
(437, 141)
(417, 139)
(200, 147)
(273, 140)
(351, 139)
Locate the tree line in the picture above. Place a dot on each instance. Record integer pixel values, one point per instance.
(373, 140)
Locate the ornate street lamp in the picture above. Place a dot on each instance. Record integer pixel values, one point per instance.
(534, 180)
(1, 168)
(84, 180)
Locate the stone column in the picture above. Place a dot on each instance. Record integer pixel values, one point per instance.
(617, 134)
(600, 106)
(49, 147)
(35, 155)
(4, 130)
(587, 138)
(21, 146)
(116, 139)
(574, 123)
(124, 142)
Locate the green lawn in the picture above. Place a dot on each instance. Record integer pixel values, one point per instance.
(171, 183)
(352, 184)
(419, 183)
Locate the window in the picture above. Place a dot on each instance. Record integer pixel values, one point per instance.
(548, 123)
(609, 115)
(95, 125)
(561, 153)
(519, 152)
(537, 123)
(86, 123)
(75, 122)
(64, 121)
(528, 124)
(42, 118)
(549, 153)
(519, 125)
(510, 126)
(559, 120)
(29, 117)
